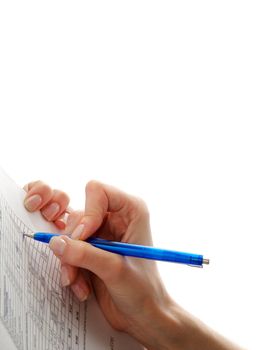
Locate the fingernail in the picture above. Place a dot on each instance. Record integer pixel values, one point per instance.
(69, 225)
(57, 244)
(51, 211)
(80, 292)
(65, 280)
(62, 221)
(33, 202)
(78, 231)
(64, 218)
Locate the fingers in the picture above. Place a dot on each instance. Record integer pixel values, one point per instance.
(38, 195)
(81, 287)
(53, 204)
(70, 276)
(73, 220)
(100, 199)
(107, 266)
(61, 221)
(56, 206)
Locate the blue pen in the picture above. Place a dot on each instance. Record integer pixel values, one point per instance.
(135, 250)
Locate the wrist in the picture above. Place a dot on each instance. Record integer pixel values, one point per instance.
(167, 326)
(161, 326)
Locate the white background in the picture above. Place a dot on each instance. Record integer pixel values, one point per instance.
(170, 101)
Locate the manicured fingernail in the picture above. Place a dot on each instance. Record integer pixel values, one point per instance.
(62, 221)
(78, 231)
(51, 211)
(65, 280)
(33, 202)
(80, 292)
(69, 225)
(57, 244)
(64, 218)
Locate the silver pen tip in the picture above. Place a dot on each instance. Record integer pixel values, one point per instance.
(206, 261)
(31, 235)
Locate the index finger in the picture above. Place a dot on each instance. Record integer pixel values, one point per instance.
(100, 199)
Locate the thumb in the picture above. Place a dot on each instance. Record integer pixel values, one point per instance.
(107, 266)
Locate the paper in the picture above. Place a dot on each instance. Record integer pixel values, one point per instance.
(35, 311)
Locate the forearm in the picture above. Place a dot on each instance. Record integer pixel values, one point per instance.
(171, 327)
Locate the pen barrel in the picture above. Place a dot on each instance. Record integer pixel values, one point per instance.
(134, 250)
(44, 237)
(146, 252)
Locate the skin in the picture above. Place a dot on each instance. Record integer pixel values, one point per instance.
(129, 291)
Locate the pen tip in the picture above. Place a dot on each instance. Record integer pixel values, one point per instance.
(31, 235)
(206, 261)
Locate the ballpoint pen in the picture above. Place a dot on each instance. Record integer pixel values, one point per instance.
(134, 250)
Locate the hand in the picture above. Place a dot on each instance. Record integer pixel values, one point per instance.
(128, 290)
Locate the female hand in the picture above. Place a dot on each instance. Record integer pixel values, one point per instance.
(128, 290)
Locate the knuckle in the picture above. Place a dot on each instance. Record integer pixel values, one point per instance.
(142, 207)
(41, 188)
(38, 183)
(32, 185)
(45, 188)
(35, 183)
(62, 196)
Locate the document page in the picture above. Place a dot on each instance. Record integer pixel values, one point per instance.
(36, 312)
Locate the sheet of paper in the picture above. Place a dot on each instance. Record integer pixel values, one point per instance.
(35, 311)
